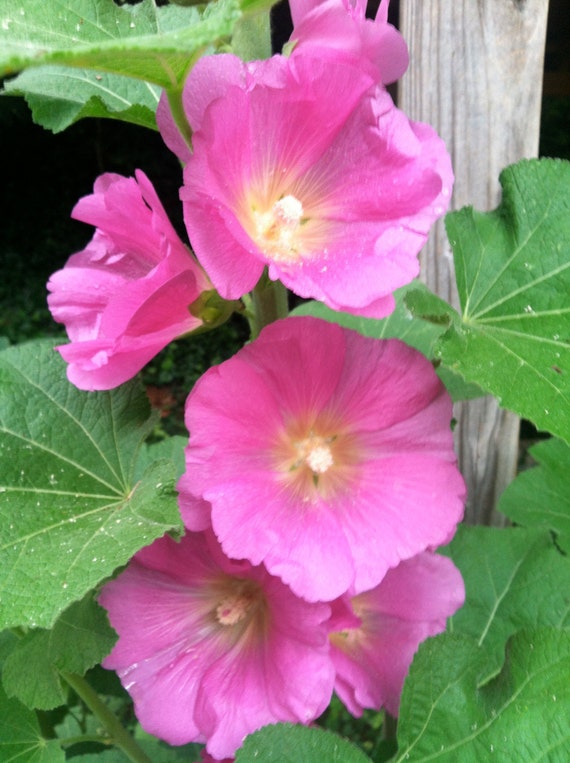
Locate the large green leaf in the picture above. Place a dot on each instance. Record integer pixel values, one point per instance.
(143, 41)
(58, 96)
(540, 497)
(514, 579)
(71, 511)
(20, 738)
(513, 275)
(286, 743)
(421, 334)
(523, 716)
(80, 638)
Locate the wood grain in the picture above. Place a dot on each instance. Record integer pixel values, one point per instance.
(476, 75)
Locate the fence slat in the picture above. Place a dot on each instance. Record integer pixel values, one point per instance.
(476, 75)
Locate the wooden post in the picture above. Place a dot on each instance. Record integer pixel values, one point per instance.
(476, 75)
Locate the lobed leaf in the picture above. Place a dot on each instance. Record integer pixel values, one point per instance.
(71, 510)
(21, 740)
(288, 743)
(150, 43)
(80, 639)
(514, 578)
(540, 496)
(513, 276)
(522, 716)
(58, 96)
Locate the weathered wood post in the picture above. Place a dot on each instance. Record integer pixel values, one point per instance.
(476, 76)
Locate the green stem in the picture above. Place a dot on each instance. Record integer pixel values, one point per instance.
(269, 301)
(390, 727)
(116, 731)
(178, 114)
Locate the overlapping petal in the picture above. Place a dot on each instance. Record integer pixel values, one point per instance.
(339, 29)
(336, 460)
(127, 294)
(210, 649)
(411, 603)
(305, 166)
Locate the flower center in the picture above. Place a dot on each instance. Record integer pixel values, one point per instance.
(233, 609)
(276, 230)
(238, 601)
(315, 452)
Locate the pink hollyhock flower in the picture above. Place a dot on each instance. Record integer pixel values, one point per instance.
(127, 294)
(372, 657)
(339, 29)
(304, 167)
(212, 649)
(324, 454)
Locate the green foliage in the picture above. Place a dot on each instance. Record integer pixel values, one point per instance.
(143, 41)
(513, 276)
(522, 715)
(540, 497)
(514, 578)
(80, 638)
(71, 512)
(418, 332)
(285, 743)
(86, 93)
(20, 736)
(93, 47)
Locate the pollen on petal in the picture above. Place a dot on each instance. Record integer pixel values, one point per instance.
(276, 231)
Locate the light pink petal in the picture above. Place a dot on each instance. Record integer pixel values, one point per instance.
(195, 678)
(126, 295)
(408, 503)
(376, 408)
(339, 30)
(411, 603)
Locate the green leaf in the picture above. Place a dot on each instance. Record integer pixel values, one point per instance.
(513, 275)
(20, 737)
(421, 333)
(71, 511)
(157, 751)
(540, 496)
(286, 743)
(58, 96)
(514, 578)
(143, 41)
(170, 449)
(523, 715)
(80, 639)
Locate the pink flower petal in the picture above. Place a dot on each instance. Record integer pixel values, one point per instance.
(411, 603)
(326, 455)
(126, 295)
(210, 649)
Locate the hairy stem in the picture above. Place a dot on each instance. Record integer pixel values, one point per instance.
(178, 114)
(269, 302)
(118, 735)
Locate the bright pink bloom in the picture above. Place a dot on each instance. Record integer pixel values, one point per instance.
(304, 166)
(411, 603)
(127, 294)
(339, 29)
(211, 650)
(324, 454)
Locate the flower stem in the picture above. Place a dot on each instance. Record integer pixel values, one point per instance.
(117, 733)
(269, 302)
(178, 114)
